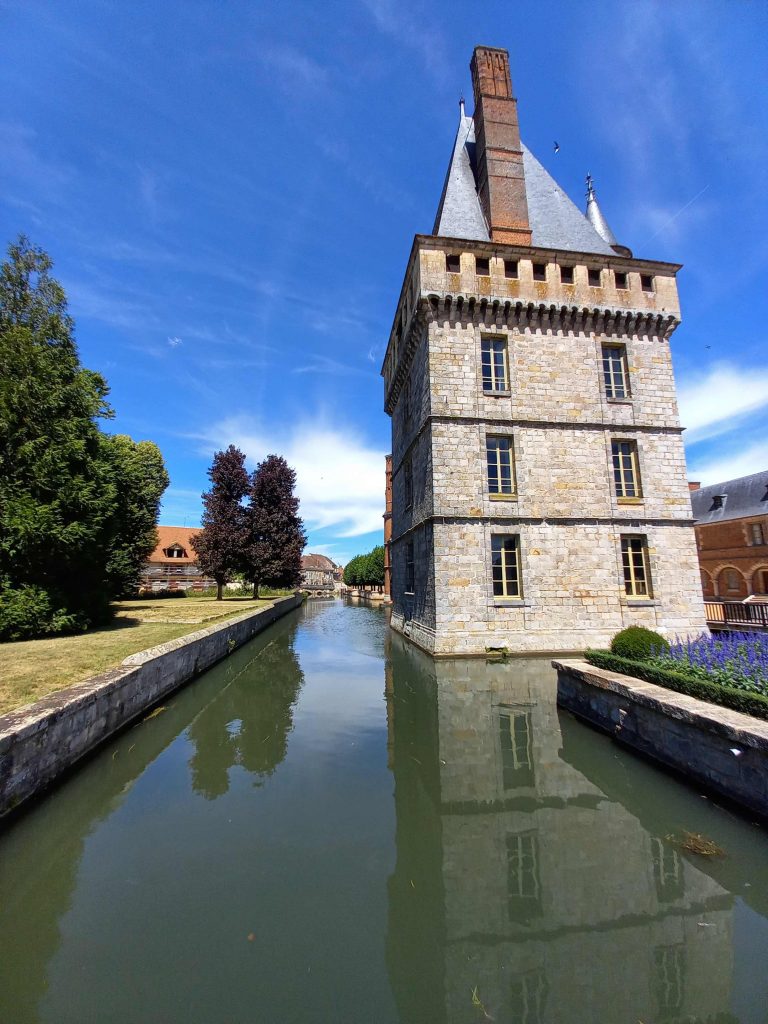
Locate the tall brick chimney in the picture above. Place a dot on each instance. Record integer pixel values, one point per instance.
(501, 182)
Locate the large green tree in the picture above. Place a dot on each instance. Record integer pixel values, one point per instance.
(139, 477)
(220, 544)
(275, 532)
(61, 494)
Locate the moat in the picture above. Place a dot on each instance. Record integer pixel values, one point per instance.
(331, 826)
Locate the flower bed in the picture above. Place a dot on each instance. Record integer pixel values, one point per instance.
(729, 669)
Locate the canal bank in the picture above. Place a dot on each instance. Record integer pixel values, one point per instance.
(40, 742)
(331, 826)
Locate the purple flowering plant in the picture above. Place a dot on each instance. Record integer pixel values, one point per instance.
(739, 660)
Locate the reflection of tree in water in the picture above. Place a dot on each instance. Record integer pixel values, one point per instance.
(249, 722)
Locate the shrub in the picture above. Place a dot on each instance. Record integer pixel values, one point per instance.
(638, 643)
(152, 594)
(27, 612)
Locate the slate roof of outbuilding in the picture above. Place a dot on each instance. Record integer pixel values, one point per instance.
(556, 222)
(745, 496)
(317, 562)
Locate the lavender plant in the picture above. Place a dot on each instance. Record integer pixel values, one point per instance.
(739, 660)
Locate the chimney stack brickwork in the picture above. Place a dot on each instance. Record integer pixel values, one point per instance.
(501, 181)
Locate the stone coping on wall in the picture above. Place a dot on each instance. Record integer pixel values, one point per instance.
(732, 725)
(40, 741)
(722, 750)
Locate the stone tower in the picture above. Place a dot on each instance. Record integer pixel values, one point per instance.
(538, 475)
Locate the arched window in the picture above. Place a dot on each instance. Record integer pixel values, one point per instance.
(731, 583)
(706, 584)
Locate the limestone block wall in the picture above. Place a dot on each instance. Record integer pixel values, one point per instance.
(553, 377)
(573, 586)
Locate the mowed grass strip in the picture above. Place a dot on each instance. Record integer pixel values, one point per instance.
(31, 669)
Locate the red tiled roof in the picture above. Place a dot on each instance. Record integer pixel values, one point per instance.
(168, 536)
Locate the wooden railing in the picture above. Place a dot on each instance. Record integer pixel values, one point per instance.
(735, 615)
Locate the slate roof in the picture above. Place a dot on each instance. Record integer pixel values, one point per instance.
(745, 496)
(556, 223)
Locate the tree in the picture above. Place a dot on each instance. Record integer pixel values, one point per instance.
(220, 544)
(275, 533)
(139, 478)
(77, 507)
(366, 570)
(57, 494)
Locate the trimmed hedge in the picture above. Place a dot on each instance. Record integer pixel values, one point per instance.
(754, 704)
(638, 643)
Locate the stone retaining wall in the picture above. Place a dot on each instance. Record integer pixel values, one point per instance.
(722, 750)
(39, 742)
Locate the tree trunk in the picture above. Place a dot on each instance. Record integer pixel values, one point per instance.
(219, 591)
(255, 590)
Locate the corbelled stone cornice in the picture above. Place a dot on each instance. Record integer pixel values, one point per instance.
(521, 316)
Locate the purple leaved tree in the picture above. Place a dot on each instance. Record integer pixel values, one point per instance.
(219, 546)
(275, 532)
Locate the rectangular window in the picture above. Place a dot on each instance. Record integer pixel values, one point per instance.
(510, 269)
(646, 282)
(410, 574)
(407, 401)
(637, 573)
(452, 263)
(758, 537)
(523, 888)
(667, 871)
(626, 475)
(670, 979)
(482, 266)
(505, 565)
(566, 275)
(621, 280)
(528, 998)
(516, 749)
(615, 371)
(539, 271)
(593, 277)
(408, 483)
(494, 364)
(500, 460)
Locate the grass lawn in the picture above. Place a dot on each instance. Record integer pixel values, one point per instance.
(32, 668)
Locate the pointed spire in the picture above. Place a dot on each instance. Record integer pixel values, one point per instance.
(599, 223)
(462, 115)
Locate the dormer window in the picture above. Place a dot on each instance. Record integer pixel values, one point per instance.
(175, 551)
(718, 501)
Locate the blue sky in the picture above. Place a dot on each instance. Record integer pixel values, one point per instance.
(230, 190)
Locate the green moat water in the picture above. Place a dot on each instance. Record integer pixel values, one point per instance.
(330, 826)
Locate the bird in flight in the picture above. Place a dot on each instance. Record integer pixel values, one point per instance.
(557, 147)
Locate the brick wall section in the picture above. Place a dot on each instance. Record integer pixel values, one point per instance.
(729, 548)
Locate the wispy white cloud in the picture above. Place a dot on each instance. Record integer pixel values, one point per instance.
(339, 475)
(296, 71)
(419, 31)
(713, 402)
(324, 364)
(714, 468)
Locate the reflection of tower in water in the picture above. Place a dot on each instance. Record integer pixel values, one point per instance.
(518, 880)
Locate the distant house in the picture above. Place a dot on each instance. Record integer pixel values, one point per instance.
(173, 563)
(732, 537)
(320, 573)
